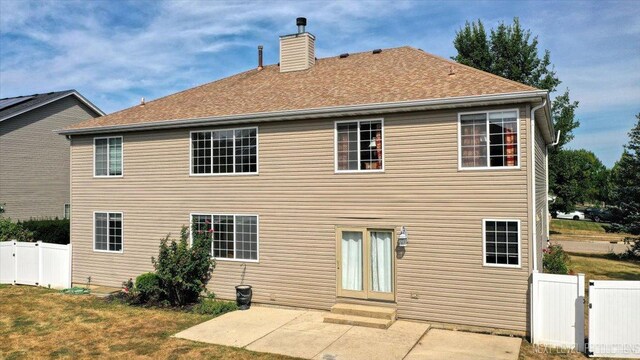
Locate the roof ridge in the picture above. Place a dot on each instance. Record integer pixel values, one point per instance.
(38, 94)
(453, 62)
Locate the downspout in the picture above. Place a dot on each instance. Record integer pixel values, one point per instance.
(533, 180)
(546, 164)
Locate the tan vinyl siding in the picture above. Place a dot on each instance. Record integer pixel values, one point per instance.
(301, 201)
(542, 218)
(34, 161)
(296, 52)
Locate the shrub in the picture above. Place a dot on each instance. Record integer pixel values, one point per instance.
(184, 270)
(214, 307)
(55, 231)
(554, 260)
(13, 231)
(148, 288)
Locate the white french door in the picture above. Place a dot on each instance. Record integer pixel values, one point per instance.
(365, 267)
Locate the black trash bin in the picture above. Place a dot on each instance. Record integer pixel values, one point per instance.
(243, 296)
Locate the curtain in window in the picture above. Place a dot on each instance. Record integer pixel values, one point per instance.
(352, 260)
(115, 156)
(381, 261)
(510, 147)
(379, 147)
(101, 157)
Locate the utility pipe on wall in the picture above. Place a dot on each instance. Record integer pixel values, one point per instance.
(546, 169)
(532, 141)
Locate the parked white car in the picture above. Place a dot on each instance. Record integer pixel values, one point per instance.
(575, 215)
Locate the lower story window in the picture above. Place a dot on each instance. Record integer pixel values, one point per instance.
(502, 242)
(233, 237)
(107, 231)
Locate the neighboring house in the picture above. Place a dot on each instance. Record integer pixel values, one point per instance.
(309, 170)
(34, 161)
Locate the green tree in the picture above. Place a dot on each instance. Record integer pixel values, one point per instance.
(626, 182)
(510, 52)
(577, 179)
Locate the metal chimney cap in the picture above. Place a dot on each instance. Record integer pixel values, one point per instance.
(301, 21)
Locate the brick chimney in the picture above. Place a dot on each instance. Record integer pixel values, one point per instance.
(297, 51)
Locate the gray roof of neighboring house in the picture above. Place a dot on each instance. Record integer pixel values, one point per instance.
(13, 106)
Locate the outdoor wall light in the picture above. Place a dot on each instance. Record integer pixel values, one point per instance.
(403, 240)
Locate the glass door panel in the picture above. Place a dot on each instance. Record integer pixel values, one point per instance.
(352, 263)
(381, 269)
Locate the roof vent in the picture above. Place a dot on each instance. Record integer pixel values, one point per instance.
(301, 22)
(345, 55)
(376, 51)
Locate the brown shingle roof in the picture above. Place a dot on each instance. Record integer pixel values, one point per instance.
(399, 74)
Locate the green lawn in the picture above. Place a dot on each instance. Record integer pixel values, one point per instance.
(604, 267)
(580, 230)
(41, 323)
(569, 226)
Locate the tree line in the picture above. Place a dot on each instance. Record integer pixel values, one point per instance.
(576, 176)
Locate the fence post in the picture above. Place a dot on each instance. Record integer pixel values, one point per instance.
(15, 262)
(70, 268)
(534, 304)
(40, 261)
(580, 303)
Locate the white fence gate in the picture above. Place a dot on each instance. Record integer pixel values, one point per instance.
(614, 318)
(558, 310)
(37, 263)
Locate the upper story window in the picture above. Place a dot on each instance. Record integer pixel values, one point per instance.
(489, 140)
(359, 146)
(501, 242)
(107, 159)
(232, 151)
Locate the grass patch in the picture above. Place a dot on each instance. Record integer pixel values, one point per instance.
(561, 229)
(82, 326)
(562, 226)
(604, 267)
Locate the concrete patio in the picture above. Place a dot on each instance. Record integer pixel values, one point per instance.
(303, 334)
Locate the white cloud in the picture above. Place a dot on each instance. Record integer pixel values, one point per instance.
(73, 45)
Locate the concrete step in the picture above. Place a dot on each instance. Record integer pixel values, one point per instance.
(376, 312)
(358, 321)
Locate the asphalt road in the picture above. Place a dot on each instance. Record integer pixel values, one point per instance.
(591, 247)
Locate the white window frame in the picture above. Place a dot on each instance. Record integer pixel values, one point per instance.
(484, 244)
(108, 157)
(488, 167)
(94, 231)
(257, 260)
(64, 211)
(234, 173)
(335, 146)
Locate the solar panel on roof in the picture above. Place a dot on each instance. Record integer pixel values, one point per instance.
(5, 103)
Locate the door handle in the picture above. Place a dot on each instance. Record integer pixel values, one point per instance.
(338, 264)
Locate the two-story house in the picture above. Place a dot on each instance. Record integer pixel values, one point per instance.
(309, 170)
(34, 161)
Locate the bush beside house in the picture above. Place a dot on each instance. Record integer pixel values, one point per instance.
(181, 274)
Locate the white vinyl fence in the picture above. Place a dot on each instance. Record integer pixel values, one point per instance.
(39, 263)
(558, 310)
(614, 318)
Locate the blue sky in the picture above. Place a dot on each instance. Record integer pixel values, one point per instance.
(115, 52)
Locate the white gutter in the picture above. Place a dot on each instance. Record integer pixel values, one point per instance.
(349, 110)
(546, 164)
(532, 141)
